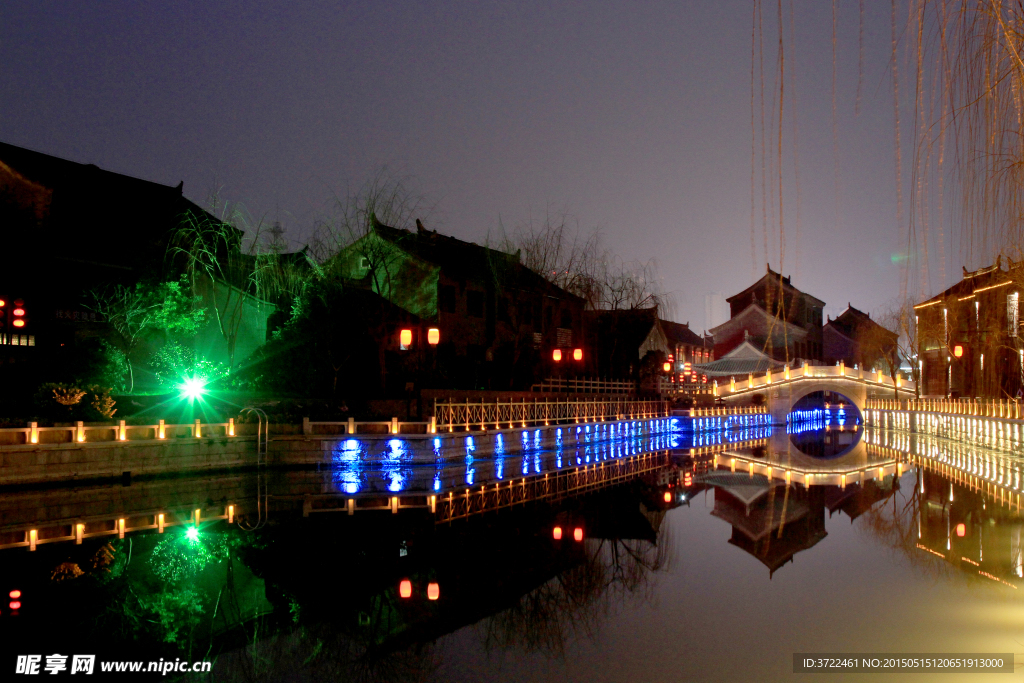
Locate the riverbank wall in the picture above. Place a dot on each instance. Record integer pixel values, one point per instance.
(69, 462)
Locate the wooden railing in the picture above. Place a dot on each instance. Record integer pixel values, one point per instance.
(468, 416)
(585, 386)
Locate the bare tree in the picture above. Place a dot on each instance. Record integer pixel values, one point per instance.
(348, 246)
(384, 199)
(577, 262)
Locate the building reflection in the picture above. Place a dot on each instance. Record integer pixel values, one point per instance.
(775, 493)
(967, 505)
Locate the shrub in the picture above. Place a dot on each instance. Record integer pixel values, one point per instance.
(175, 362)
(67, 402)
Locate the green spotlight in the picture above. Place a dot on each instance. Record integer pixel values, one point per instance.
(193, 388)
(192, 534)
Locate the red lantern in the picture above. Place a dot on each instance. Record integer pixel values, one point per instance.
(557, 533)
(577, 534)
(405, 588)
(577, 354)
(556, 355)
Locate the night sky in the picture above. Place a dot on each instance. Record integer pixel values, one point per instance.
(633, 118)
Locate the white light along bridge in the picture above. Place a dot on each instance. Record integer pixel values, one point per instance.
(782, 389)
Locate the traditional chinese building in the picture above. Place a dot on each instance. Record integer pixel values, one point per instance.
(969, 335)
(498, 321)
(857, 340)
(774, 316)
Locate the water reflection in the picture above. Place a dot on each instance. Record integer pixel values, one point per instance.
(315, 595)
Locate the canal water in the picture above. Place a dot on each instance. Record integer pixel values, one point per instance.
(657, 553)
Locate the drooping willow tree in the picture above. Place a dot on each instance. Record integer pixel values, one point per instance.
(966, 73)
(982, 44)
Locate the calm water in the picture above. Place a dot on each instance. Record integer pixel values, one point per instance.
(713, 557)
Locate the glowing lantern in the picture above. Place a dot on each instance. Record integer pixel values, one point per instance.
(18, 311)
(556, 355)
(433, 336)
(433, 591)
(668, 497)
(961, 530)
(15, 594)
(577, 354)
(958, 351)
(577, 534)
(15, 605)
(405, 588)
(667, 367)
(405, 339)
(557, 533)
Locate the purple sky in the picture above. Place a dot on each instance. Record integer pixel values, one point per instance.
(635, 118)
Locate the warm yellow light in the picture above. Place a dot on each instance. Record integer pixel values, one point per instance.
(577, 534)
(577, 354)
(405, 338)
(405, 588)
(958, 351)
(19, 323)
(433, 591)
(556, 533)
(667, 367)
(433, 336)
(556, 355)
(668, 497)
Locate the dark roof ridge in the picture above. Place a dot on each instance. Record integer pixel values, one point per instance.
(42, 158)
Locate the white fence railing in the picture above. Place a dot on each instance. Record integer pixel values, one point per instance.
(787, 374)
(978, 407)
(82, 433)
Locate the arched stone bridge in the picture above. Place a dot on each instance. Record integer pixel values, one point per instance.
(783, 388)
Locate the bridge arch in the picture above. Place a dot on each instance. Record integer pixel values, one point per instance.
(782, 390)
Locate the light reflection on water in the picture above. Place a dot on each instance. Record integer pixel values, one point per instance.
(439, 464)
(915, 542)
(884, 508)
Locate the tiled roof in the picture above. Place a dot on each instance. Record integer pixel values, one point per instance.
(678, 333)
(460, 259)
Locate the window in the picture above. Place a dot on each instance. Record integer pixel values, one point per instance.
(1012, 314)
(475, 304)
(364, 263)
(446, 299)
